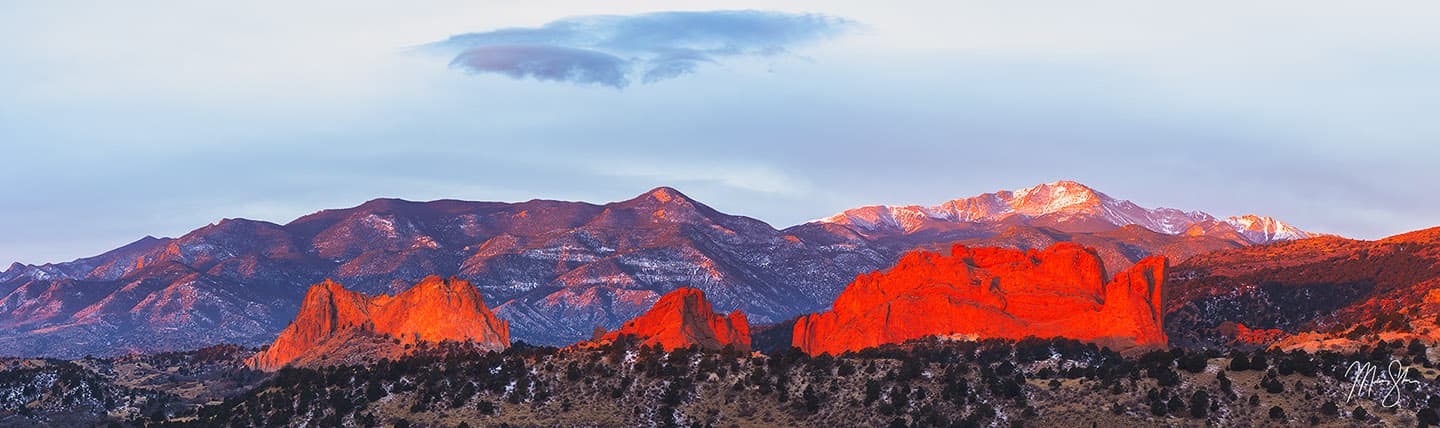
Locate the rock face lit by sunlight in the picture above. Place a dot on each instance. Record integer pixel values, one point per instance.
(683, 318)
(994, 293)
(336, 324)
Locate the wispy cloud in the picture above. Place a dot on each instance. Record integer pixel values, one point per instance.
(615, 50)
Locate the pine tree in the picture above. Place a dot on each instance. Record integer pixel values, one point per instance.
(1199, 404)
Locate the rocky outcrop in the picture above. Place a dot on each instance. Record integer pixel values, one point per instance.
(332, 317)
(994, 293)
(436, 310)
(1257, 336)
(327, 311)
(683, 318)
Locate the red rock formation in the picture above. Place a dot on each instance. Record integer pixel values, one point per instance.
(682, 318)
(433, 310)
(1257, 336)
(327, 310)
(993, 292)
(436, 310)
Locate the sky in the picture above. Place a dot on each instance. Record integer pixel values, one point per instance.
(125, 119)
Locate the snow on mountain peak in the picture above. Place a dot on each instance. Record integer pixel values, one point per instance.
(1262, 229)
(1063, 202)
(1055, 197)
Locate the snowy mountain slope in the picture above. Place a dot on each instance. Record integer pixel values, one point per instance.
(1067, 206)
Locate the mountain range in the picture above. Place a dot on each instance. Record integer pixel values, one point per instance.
(554, 270)
(1042, 215)
(1066, 206)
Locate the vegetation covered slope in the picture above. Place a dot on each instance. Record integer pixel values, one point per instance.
(1031, 382)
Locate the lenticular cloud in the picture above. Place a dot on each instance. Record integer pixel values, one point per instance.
(545, 63)
(614, 50)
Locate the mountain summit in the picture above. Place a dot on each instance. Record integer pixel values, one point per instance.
(1266, 229)
(1066, 206)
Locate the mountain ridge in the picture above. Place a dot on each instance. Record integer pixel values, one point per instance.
(555, 269)
(1065, 205)
(1326, 291)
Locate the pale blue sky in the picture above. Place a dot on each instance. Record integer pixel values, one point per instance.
(125, 119)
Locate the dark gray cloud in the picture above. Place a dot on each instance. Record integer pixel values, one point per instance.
(610, 49)
(555, 63)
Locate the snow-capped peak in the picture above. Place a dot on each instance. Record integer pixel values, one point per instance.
(11, 272)
(1054, 197)
(1062, 202)
(1263, 229)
